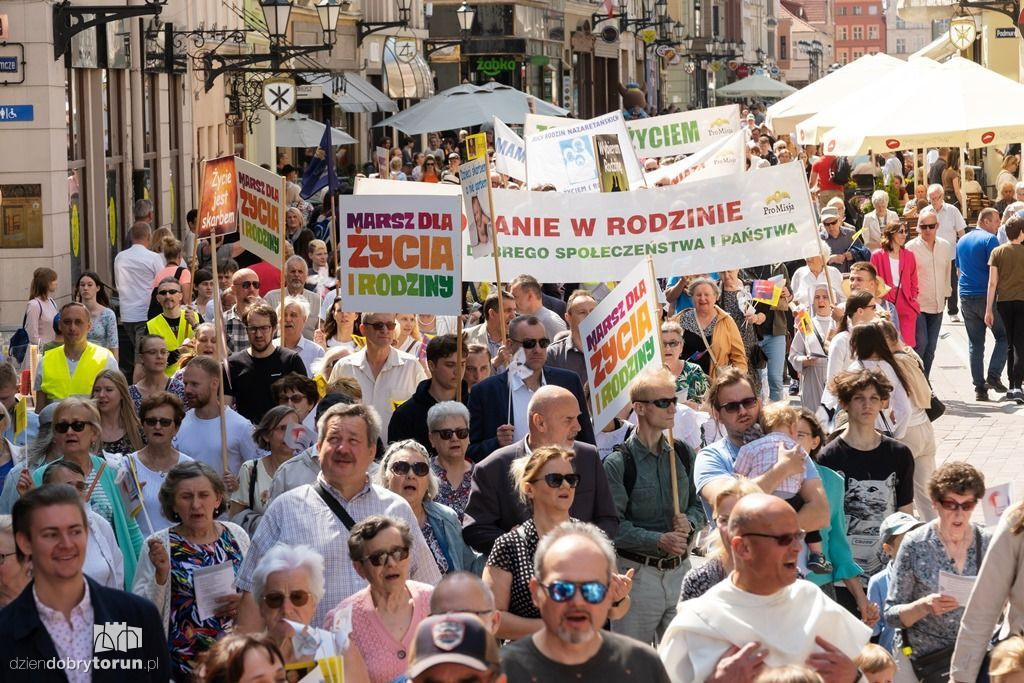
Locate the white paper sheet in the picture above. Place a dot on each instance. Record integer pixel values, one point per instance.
(956, 586)
(211, 584)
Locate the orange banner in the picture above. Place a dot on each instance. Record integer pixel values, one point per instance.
(219, 199)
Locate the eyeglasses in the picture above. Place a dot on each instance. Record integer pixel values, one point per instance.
(872, 306)
(447, 434)
(782, 540)
(250, 284)
(420, 469)
(380, 327)
(530, 343)
(380, 557)
(673, 344)
(660, 402)
(293, 399)
(168, 292)
(562, 591)
(258, 329)
(735, 406)
(952, 505)
(554, 480)
(276, 600)
(829, 224)
(927, 226)
(76, 425)
(154, 421)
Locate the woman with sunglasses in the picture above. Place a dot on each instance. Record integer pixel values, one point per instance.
(153, 379)
(287, 585)
(76, 436)
(119, 423)
(405, 469)
(951, 544)
(897, 267)
(161, 414)
(383, 616)
(430, 174)
(250, 499)
(448, 424)
(193, 496)
(546, 482)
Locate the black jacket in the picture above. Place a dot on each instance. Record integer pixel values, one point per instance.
(409, 421)
(26, 642)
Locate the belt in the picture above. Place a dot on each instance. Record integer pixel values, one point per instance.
(656, 562)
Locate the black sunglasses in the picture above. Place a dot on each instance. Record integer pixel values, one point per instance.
(420, 469)
(380, 557)
(250, 284)
(380, 327)
(168, 292)
(554, 480)
(952, 505)
(660, 402)
(562, 591)
(829, 224)
(782, 539)
(530, 343)
(154, 421)
(927, 226)
(275, 600)
(447, 434)
(735, 406)
(76, 425)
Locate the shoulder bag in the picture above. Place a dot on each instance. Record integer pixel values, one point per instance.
(340, 512)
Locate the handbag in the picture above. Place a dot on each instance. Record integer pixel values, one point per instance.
(933, 667)
(935, 409)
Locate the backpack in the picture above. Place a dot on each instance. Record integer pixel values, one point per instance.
(683, 453)
(839, 172)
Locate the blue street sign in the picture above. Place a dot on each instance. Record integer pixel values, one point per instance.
(16, 112)
(8, 65)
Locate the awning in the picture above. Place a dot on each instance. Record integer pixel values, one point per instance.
(939, 49)
(408, 75)
(351, 92)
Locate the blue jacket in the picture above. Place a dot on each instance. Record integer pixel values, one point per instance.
(833, 537)
(448, 531)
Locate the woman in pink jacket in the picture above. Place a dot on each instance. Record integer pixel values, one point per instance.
(897, 267)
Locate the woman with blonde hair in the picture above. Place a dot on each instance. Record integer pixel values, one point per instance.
(1007, 665)
(120, 428)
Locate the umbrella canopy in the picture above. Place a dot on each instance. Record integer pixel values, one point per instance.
(298, 130)
(783, 116)
(469, 105)
(757, 85)
(968, 116)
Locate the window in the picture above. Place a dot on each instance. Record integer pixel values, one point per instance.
(857, 54)
(856, 10)
(842, 11)
(901, 46)
(872, 32)
(843, 56)
(843, 33)
(872, 9)
(783, 48)
(858, 33)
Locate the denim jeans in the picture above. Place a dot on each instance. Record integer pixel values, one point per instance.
(774, 346)
(927, 334)
(973, 308)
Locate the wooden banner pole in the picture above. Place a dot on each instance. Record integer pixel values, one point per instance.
(671, 439)
(284, 259)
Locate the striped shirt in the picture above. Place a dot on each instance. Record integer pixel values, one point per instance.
(300, 516)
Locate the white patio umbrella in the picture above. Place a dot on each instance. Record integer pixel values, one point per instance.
(783, 116)
(977, 108)
(756, 86)
(469, 105)
(298, 130)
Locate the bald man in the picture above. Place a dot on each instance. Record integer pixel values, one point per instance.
(245, 285)
(494, 507)
(464, 591)
(760, 616)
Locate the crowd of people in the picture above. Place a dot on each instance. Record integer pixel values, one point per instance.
(270, 484)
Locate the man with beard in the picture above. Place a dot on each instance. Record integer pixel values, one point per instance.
(245, 285)
(573, 569)
(173, 327)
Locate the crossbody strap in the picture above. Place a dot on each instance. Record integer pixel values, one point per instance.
(335, 506)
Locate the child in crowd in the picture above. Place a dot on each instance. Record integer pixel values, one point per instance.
(876, 663)
(1007, 665)
(891, 533)
(759, 454)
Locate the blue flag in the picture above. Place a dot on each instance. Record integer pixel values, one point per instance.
(320, 173)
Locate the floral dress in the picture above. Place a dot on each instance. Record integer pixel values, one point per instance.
(454, 497)
(188, 637)
(692, 381)
(435, 547)
(174, 386)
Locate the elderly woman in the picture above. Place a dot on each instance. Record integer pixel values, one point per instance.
(76, 426)
(950, 544)
(897, 267)
(876, 220)
(809, 351)
(405, 469)
(14, 573)
(204, 344)
(384, 615)
(161, 417)
(287, 586)
(119, 422)
(711, 338)
(300, 393)
(250, 500)
(104, 563)
(153, 378)
(192, 495)
(448, 422)
(691, 382)
(546, 482)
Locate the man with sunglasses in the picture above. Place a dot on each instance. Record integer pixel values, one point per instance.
(245, 285)
(838, 238)
(573, 569)
(952, 228)
(387, 376)
(761, 616)
(934, 260)
(409, 420)
(171, 325)
(71, 369)
(652, 541)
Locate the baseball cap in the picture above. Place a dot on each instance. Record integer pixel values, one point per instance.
(453, 639)
(829, 213)
(897, 524)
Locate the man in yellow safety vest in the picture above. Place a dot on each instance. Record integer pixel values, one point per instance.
(71, 369)
(173, 324)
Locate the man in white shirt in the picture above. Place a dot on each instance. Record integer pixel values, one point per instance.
(527, 293)
(761, 615)
(296, 273)
(951, 228)
(387, 376)
(934, 257)
(135, 268)
(296, 313)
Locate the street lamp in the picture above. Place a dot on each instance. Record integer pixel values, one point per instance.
(661, 10)
(365, 28)
(678, 31)
(276, 14)
(70, 20)
(329, 12)
(465, 14)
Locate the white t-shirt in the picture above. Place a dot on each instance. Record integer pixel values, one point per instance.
(104, 562)
(308, 351)
(200, 439)
(894, 267)
(151, 482)
(261, 492)
(134, 270)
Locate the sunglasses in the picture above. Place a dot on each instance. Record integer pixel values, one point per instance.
(952, 505)
(554, 480)
(168, 292)
(735, 406)
(673, 344)
(294, 399)
(76, 425)
(447, 434)
(660, 402)
(380, 557)
(782, 540)
(154, 421)
(250, 284)
(829, 224)
(420, 469)
(927, 226)
(275, 600)
(380, 327)
(530, 343)
(562, 591)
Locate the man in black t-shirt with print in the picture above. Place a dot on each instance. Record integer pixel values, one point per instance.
(251, 371)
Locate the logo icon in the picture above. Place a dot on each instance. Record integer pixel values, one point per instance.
(720, 121)
(892, 143)
(116, 637)
(448, 635)
(988, 136)
(776, 197)
(279, 95)
(831, 145)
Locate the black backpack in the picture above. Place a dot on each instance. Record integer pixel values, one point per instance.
(839, 172)
(683, 453)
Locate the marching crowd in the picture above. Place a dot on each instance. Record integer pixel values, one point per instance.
(371, 489)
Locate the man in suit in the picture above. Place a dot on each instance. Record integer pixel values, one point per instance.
(498, 405)
(65, 615)
(488, 333)
(494, 507)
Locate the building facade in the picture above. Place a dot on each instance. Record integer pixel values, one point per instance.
(859, 29)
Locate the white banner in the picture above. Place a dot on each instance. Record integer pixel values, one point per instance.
(620, 341)
(535, 123)
(566, 157)
(474, 176)
(724, 157)
(509, 151)
(702, 226)
(260, 211)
